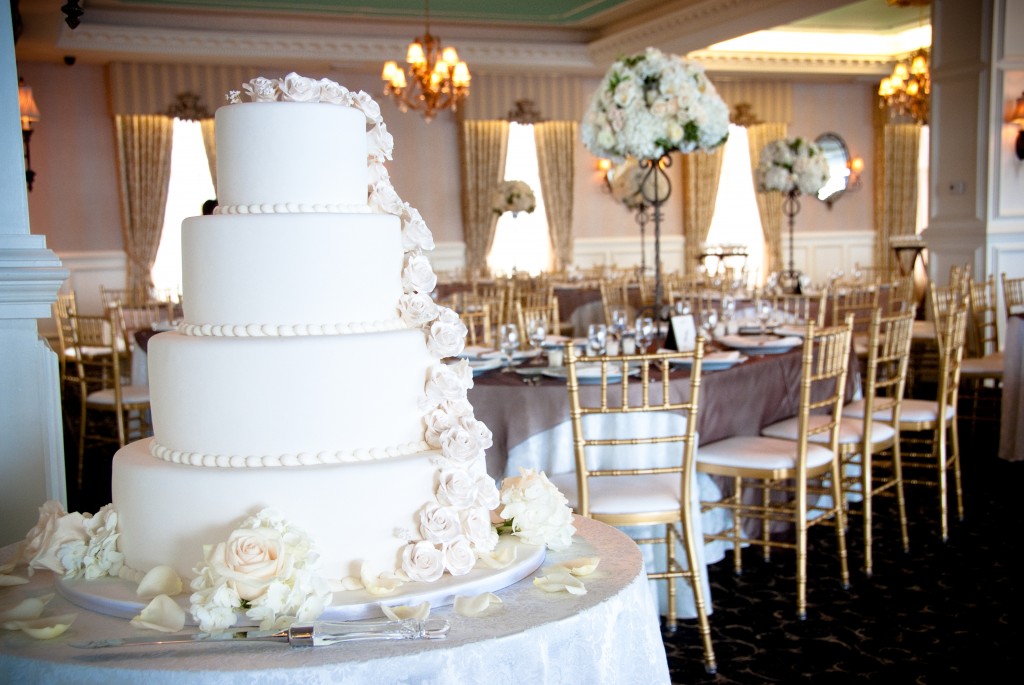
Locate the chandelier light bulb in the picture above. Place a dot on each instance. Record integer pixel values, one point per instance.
(414, 55)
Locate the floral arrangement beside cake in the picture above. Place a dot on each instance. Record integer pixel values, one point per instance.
(312, 435)
(791, 165)
(513, 196)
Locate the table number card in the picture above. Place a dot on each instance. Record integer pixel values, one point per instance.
(683, 333)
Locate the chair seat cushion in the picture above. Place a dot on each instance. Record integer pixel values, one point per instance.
(130, 394)
(624, 494)
(912, 411)
(922, 330)
(851, 430)
(989, 366)
(758, 452)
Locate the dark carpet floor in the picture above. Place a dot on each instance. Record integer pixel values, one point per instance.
(942, 613)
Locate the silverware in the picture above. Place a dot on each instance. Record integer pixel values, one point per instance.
(317, 634)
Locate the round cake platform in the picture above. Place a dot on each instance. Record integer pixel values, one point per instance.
(116, 597)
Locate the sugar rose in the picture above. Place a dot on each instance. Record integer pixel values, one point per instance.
(250, 560)
(297, 88)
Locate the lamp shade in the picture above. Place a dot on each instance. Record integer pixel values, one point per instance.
(27, 106)
(1017, 116)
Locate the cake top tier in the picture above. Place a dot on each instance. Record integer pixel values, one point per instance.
(299, 145)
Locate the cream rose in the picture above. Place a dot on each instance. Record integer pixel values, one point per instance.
(461, 444)
(333, 92)
(415, 234)
(379, 143)
(295, 88)
(456, 488)
(445, 383)
(54, 529)
(439, 524)
(417, 276)
(261, 89)
(447, 337)
(459, 557)
(367, 105)
(476, 524)
(539, 513)
(250, 560)
(418, 309)
(384, 198)
(423, 562)
(438, 421)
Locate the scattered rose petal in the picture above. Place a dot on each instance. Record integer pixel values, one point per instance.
(47, 627)
(8, 580)
(26, 610)
(499, 558)
(381, 585)
(560, 580)
(350, 583)
(160, 580)
(163, 614)
(406, 611)
(583, 566)
(8, 567)
(475, 605)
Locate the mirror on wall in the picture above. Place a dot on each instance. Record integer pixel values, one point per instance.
(839, 164)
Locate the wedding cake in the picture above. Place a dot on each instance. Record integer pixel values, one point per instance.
(306, 376)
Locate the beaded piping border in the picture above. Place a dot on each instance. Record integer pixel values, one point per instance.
(294, 208)
(298, 459)
(269, 330)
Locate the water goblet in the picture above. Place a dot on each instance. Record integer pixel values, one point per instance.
(508, 340)
(597, 339)
(764, 314)
(618, 323)
(538, 330)
(708, 321)
(644, 333)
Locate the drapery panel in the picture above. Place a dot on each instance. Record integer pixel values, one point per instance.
(210, 143)
(895, 210)
(769, 205)
(701, 172)
(482, 149)
(556, 160)
(144, 169)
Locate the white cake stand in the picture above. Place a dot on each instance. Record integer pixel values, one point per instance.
(116, 597)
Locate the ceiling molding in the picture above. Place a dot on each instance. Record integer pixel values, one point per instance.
(811, 66)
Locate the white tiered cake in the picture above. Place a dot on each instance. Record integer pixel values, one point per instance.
(306, 376)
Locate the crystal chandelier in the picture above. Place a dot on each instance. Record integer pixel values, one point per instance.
(907, 90)
(436, 79)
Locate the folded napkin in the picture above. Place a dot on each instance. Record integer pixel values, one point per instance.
(475, 351)
(751, 341)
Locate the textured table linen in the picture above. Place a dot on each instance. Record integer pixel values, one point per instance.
(609, 635)
(1011, 430)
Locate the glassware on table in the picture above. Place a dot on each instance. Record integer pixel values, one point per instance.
(508, 341)
(619, 323)
(644, 333)
(709, 321)
(597, 339)
(764, 314)
(538, 331)
(728, 312)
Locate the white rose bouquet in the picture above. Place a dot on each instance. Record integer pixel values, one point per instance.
(536, 511)
(651, 104)
(791, 164)
(513, 196)
(266, 569)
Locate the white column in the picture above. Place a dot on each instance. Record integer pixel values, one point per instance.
(31, 441)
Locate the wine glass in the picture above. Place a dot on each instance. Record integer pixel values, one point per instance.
(764, 314)
(597, 339)
(708, 321)
(728, 310)
(644, 333)
(618, 326)
(538, 330)
(508, 339)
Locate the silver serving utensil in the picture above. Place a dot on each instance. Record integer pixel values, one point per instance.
(317, 634)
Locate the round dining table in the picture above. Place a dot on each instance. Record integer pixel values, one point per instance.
(609, 635)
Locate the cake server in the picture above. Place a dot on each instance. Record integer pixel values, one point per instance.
(317, 634)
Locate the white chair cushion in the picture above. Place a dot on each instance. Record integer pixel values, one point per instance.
(624, 494)
(851, 430)
(752, 451)
(922, 330)
(912, 411)
(130, 394)
(988, 366)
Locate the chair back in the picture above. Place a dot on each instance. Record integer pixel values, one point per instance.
(946, 300)
(95, 371)
(952, 335)
(801, 308)
(615, 294)
(889, 340)
(545, 311)
(1013, 295)
(824, 367)
(860, 300)
(477, 319)
(983, 329)
(630, 385)
(901, 294)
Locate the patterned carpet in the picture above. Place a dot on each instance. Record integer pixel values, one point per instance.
(942, 613)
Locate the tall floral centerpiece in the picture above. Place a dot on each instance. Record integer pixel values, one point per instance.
(513, 196)
(792, 166)
(650, 105)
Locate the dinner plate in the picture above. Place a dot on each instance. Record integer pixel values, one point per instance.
(714, 361)
(760, 344)
(797, 330)
(518, 355)
(481, 366)
(586, 374)
(475, 352)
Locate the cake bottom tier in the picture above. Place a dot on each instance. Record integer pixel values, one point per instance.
(354, 512)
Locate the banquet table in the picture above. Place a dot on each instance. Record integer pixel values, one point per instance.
(1011, 430)
(609, 635)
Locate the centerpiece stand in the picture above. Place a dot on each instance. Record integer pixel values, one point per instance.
(656, 188)
(789, 279)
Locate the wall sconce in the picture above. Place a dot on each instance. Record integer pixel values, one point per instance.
(856, 166)
(29, 115)
(603, 166)
(1017, 117)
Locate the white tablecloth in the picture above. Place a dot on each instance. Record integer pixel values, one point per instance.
(610, 635)
(1011, 432)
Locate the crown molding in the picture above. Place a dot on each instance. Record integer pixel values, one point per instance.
(726, 62)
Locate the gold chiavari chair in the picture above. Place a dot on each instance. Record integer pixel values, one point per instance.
(1013, 295)
(616, 294)
(547, 312)
(773, 480)
(981, 371)
(901, 295)
(801, 308)
(497, 296)
(478, 324)
(929, 427)
(645, 488)
(104, 386)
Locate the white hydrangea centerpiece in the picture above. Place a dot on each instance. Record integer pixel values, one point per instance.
(651, 104)
(513, 196)
(791, 165)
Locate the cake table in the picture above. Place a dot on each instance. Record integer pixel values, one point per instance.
(609, 635)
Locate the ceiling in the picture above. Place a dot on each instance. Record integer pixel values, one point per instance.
(492, 35)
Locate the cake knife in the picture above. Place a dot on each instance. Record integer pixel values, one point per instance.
(317, 634)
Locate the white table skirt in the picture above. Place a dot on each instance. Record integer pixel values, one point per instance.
(610, 635)
(551, 451)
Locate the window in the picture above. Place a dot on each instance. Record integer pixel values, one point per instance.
(522, 243)
(736, 220)
(190, 186)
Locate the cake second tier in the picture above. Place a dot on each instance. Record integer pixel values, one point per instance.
(269, 401)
